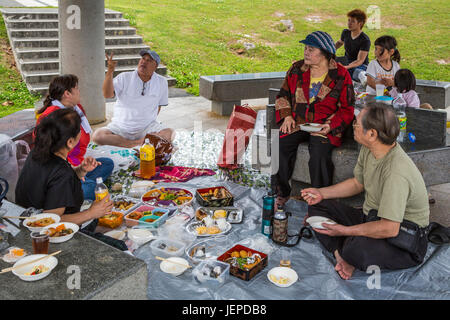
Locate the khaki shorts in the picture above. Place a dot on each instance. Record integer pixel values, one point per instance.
(153, 127)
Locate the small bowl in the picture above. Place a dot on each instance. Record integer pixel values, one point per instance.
(55, 217)
(284, 272)
(50, 262)
(174, 268)
(62, 239)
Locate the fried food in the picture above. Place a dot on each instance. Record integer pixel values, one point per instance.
(59, 231)
(220, 214)
(136, 215)
(243, 254)
(41, 223)
(235, 254)
(201, 230)
(200, 214)
(213, 230)
(123, 205)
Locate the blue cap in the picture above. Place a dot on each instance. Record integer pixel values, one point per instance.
(152, 54)
(321, 40)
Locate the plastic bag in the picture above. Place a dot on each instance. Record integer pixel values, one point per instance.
(123, 158)
(8, 165)
(22, 151)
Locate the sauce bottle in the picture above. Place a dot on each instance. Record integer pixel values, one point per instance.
(147, 157)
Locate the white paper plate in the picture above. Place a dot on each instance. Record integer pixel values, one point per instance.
(316, 221)
(55, 217)
(174, 268)
(116, 234)
(10, 258)
(282, 272)
(50, 262)
(311, 127)
(68, 225)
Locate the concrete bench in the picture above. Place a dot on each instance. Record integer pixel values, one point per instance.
(225, 91)
(436, 93)
(430, 152)
(19, 125)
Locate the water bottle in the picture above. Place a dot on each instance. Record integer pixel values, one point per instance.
(101, 190)
(147, 157)
(268, 207)
(400, 109)
(280, 226)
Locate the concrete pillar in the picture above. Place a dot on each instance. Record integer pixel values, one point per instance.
(82, 51)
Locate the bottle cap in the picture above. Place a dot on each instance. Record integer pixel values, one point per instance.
(147, 140)
(99, 180)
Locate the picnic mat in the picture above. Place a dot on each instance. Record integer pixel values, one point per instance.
(315, 269)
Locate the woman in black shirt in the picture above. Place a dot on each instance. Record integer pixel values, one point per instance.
(48, 181)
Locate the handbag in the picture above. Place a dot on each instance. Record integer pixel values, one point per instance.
(237, 136)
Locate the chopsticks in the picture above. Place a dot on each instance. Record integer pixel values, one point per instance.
(18, 217)
(181, 264)
(30, 262)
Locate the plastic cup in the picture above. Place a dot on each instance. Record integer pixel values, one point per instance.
(285, 260)
(380, 89)
(40, 243)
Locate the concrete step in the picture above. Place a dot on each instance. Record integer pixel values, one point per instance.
(54, 33)
(53, 63)
(53, 23)
(44, 53)
(42, 88)
(45, 76)
(53, 42)
(47, 15)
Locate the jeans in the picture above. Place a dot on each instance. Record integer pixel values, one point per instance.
(104, 170)
(354, 72)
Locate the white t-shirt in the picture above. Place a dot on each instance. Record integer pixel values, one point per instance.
(375, 70)
(133, 112)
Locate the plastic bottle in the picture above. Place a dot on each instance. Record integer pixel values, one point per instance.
(101, 190)
(280, 226)
(147, 156)
(268, 208)
(400, 109)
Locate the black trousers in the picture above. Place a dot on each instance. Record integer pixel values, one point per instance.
(320, 165)
(362, 252)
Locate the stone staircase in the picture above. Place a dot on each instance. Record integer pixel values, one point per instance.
(33, 35)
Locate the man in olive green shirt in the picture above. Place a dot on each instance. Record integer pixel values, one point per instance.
(393, 187)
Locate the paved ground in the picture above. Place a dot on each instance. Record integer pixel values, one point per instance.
(28, 3)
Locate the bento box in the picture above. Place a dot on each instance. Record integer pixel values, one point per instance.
(214, 197)
(146, 215)
(245, 263)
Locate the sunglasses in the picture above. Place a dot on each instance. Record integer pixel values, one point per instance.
(143, 88)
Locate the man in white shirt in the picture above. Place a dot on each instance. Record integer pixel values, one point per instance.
(140, 95)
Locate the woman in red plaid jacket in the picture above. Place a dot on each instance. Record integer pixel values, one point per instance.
(315, 90)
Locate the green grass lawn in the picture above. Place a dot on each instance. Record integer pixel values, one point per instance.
(14, 95)
(204, 37)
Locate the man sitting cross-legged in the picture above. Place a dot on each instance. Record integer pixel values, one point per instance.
(394, 193)
(140, 95)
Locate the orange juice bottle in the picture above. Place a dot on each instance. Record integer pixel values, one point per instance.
(147, 156)
(101, 190)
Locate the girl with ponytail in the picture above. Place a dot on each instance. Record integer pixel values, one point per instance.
(63, 92)
(48, 181)
(383, 69)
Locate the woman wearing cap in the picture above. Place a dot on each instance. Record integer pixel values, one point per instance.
(63, 93)
(315, 90)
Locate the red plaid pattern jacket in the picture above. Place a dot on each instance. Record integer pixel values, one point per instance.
(334, 102)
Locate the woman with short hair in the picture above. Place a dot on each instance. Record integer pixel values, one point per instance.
(64, 93)
(315, 90)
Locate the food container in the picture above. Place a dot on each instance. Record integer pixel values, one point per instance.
(240, 272)
(211, 273)
(170, 198)
(232, 214)
(124, 204)
(63, 238)
(51, 219)
(207, 231)
(112, 220)
(165, 248)
(50, 263)
(139, 214)
(214, 197)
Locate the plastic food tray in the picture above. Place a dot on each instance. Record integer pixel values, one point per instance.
(221, 202)
(202, 275)
(231, 213)
(141, 207)
(173, 248)
(169, 204)
(125, 198)
(191, 228)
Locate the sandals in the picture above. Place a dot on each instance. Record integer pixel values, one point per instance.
(438, 234)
